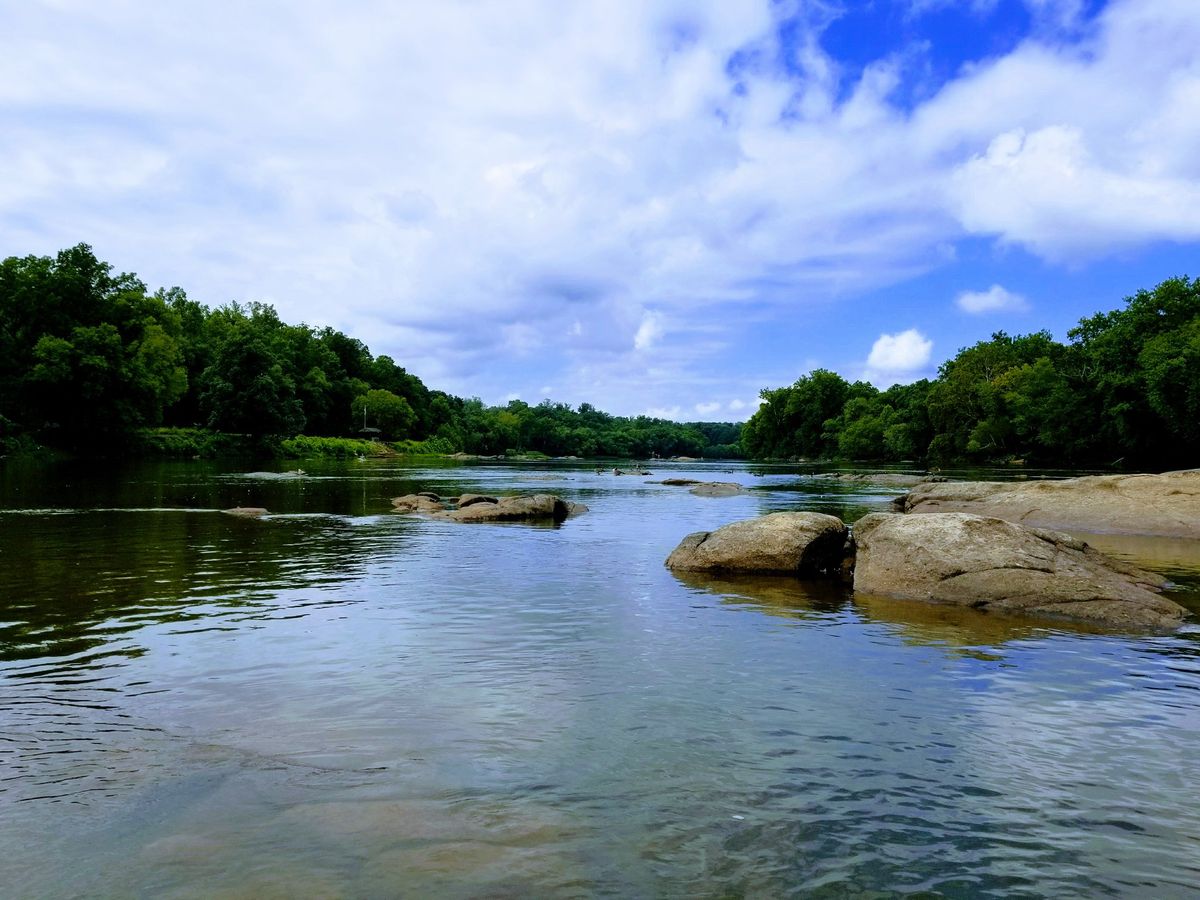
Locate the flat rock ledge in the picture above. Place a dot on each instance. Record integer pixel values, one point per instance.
(806, 544)
(479, 508)
(998, 566)
(1166, 505)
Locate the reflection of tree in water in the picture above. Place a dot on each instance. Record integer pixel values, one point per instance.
(959, 630)
(76, 583)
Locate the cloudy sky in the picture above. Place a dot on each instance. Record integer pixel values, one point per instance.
(651, 206)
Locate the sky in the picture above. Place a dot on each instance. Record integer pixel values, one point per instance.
(654, 207)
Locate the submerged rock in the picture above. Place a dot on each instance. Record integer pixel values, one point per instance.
(245, 512)
(798, 543)
(679, 482)
(991, 564)
(1167, 505)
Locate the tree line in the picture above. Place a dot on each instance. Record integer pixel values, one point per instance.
(90, 357)
(1125, 391)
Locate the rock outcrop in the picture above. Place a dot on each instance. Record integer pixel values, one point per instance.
(992, 564)
(419, 503)
(1166, 505)
(545, 507)
(806, 544)
(471, 499)
(717, 489)
(480, 508)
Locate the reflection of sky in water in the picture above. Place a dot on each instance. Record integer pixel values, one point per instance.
(338, 696)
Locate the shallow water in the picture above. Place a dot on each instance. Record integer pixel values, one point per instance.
(336, 701)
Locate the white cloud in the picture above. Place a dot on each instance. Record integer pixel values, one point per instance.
(707, 409)
(994, 299)
(737, 405)
(649, 332)
(896, 357)
(483, 189)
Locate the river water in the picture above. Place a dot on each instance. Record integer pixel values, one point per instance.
(337, 701)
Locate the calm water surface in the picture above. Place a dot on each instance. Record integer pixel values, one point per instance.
(336, 701)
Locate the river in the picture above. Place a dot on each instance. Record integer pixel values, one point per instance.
(337, 701)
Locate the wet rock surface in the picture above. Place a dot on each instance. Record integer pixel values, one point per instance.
(991, 564)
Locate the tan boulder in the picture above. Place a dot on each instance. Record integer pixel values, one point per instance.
(418, 503)
(885, 479)
(797, 543)
(471, 499)
(1167, 505)
(717, 489)
(991, 564)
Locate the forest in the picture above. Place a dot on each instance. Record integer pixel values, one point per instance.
(1124, 392)
(91, 360)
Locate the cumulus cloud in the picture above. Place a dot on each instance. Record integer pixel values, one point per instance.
(994, 299)
(502, 195)
(707, 409)
(896, 357)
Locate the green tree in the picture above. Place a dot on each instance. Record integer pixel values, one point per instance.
(392, 415)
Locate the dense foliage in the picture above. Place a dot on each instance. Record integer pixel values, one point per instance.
(90, 358)
(1124, 391)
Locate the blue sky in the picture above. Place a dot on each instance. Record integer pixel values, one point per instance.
(651, 206)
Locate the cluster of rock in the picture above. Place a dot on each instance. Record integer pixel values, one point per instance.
(953, 558)
(1166, 505)
(482, 508)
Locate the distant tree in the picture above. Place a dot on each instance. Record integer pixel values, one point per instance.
(392, 415)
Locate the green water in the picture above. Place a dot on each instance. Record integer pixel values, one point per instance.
(336, 701)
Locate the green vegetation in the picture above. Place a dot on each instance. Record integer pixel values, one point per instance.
(1124, 391)
(92, 361)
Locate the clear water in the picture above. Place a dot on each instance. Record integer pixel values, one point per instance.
(336, 701)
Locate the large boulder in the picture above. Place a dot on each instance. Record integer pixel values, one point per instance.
(806, 544)
(1166, 505)
(532, 507)
(990, 564)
